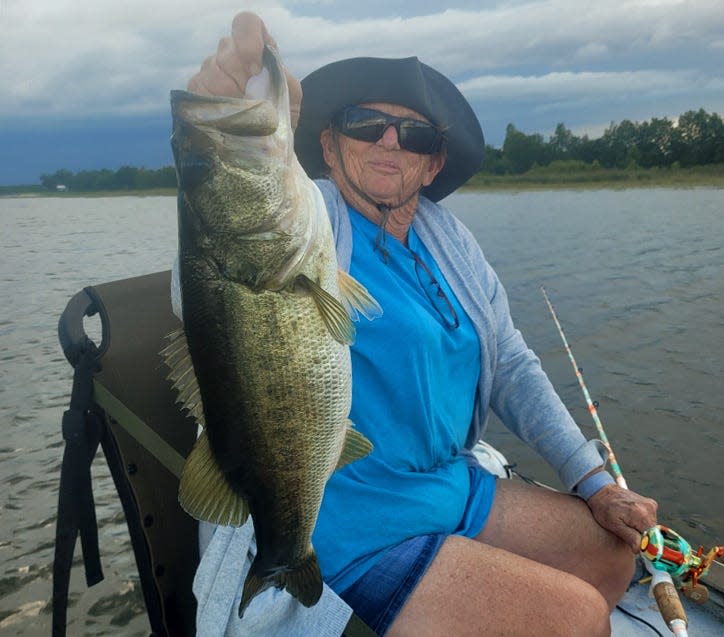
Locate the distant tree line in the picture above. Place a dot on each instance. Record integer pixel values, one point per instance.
(696, 139)
(125, 178)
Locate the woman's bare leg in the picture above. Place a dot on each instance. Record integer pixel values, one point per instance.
(558, 530)
(475, 590)
(541, 565)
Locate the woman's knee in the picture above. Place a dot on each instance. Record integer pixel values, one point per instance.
(617, 570)
(593, 616)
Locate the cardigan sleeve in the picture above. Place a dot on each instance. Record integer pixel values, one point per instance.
(525, 400)
(513, 383)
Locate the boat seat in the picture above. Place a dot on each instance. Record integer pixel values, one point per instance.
(122, 401)
(133, 408)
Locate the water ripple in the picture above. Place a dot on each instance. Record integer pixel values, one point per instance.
(636, 277)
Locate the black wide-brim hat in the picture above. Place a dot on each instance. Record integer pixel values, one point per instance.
(407, 82)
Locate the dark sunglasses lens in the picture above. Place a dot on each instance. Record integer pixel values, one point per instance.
(419, 137)
(364, 124)
(364, 131)
(368, 125)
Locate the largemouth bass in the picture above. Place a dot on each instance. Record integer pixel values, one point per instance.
(263, 360)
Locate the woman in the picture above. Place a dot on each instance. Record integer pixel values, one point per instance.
(417, 538)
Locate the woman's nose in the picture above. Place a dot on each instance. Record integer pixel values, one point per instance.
(390, 139)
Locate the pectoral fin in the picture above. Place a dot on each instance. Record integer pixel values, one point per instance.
(356, 446)
(204, 492)
(333, 313)
(357, 298)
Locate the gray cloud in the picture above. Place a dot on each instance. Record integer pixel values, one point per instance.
(587, 85)
(60, 59)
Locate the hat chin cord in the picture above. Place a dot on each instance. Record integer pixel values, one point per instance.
(384, 209)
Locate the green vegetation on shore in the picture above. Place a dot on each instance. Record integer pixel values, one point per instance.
(682, 153)
(127, 180)
(695, 139)
(685, 153)
(574, 174)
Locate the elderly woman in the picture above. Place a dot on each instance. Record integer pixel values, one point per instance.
(417, 538)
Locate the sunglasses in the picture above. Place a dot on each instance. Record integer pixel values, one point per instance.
(369, 125)
(435, 294)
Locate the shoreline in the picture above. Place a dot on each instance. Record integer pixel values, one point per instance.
(531, 186)
(536, 179)
(151, 192)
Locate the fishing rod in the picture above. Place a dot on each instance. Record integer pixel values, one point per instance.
(615, 467)
(666, 553)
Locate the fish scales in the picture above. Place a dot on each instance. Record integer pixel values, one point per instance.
(267, 328)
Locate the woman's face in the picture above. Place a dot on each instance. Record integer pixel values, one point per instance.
(382, 170)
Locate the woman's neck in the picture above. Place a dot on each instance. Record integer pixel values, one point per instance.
(399, 219)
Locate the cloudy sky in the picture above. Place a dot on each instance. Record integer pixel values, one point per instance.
(84, 83)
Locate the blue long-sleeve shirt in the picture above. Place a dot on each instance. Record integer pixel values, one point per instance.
(414, 378)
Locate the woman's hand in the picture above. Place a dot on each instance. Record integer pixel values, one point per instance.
(625, 513)
(239, 57)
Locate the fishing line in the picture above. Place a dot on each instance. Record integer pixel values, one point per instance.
(639, 619)
(592, 407)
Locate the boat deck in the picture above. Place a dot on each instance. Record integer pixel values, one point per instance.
(706, 620)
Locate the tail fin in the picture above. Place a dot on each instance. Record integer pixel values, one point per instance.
(303, 582)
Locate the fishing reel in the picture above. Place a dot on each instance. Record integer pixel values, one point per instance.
(667, 551)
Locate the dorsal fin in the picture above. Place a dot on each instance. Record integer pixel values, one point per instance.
(177, 358)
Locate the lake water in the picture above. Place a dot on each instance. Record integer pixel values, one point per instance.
(637, 278)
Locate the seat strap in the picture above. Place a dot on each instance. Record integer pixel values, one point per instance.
(82, 431)
(357, 628)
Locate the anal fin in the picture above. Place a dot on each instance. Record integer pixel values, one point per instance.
(356, 446)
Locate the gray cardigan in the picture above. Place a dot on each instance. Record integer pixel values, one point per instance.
(512, 384)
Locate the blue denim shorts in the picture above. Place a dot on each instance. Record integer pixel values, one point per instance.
(379, 595)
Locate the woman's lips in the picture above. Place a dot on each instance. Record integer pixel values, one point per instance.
(386, 167)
